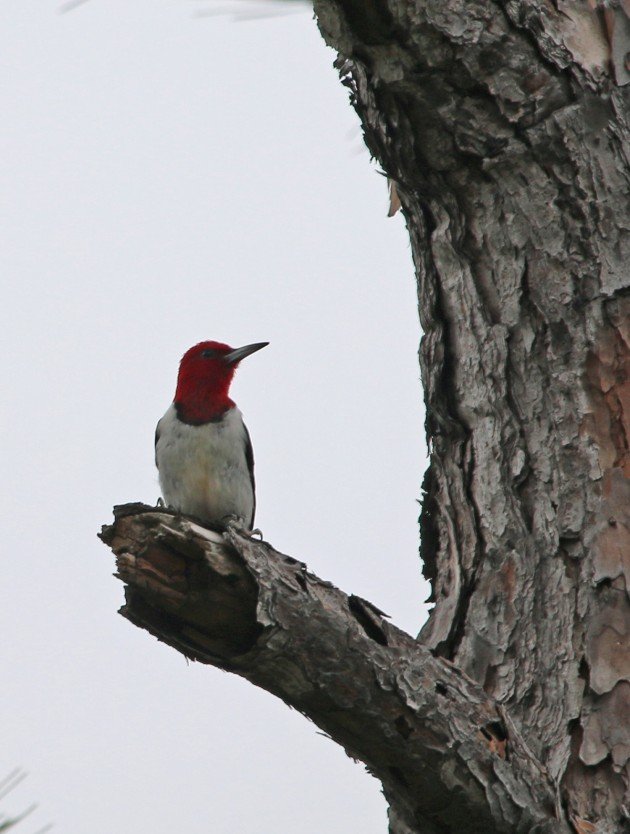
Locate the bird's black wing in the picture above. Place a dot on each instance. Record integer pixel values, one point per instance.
(157, 437)
(249, 457)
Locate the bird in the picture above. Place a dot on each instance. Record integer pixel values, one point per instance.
(203, 450)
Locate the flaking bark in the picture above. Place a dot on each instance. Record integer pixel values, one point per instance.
(505, 128)
(423, 727)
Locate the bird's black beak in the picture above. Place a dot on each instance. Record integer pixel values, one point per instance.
(240, 353)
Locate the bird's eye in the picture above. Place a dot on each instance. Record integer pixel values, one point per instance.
(208, 353)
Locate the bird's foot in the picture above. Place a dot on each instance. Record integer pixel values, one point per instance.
(237, 524)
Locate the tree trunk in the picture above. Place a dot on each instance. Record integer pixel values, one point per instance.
(508, 142)
(504, 126)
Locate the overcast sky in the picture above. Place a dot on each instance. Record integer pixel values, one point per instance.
(168, 177)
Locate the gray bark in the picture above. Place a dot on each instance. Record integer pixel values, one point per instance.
(507, 137)
(421, 725)
(504, 126)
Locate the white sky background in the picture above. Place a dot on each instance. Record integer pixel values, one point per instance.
(164, 179)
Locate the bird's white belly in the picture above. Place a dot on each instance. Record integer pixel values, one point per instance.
(203, 469)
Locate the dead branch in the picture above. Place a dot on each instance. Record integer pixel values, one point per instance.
(421, 726)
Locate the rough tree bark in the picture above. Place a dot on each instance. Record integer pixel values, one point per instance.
(504, 127)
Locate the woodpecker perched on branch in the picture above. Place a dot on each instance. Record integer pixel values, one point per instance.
(202, 448)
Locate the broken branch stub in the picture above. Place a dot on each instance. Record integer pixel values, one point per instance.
(421, 726)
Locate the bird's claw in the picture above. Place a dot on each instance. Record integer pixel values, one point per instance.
(237, 524)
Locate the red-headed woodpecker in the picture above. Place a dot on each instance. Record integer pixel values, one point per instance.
(202, 448)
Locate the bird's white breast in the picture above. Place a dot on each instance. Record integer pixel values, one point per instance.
(203, 469)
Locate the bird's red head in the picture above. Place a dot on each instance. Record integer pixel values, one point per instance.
(205, 374)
